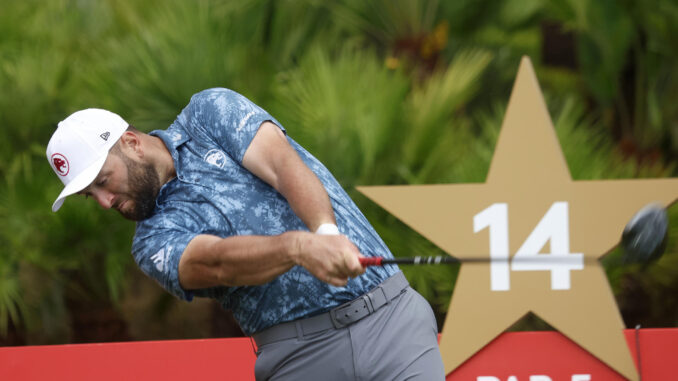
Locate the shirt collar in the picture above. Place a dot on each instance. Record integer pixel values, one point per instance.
(172, 139)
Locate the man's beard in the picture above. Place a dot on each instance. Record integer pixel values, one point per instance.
(144, 185)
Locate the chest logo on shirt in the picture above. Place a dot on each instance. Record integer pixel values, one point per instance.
(215, 157)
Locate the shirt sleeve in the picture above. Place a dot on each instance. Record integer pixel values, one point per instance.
(226, 118)
(157, 251)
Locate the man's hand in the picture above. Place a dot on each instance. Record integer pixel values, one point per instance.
(331, 258)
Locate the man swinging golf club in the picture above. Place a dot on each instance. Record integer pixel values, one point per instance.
(229, 207)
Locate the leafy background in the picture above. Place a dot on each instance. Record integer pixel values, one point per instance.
(382, 91)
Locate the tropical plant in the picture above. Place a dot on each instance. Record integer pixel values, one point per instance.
(624, 51)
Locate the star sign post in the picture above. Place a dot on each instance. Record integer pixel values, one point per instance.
(541, 232)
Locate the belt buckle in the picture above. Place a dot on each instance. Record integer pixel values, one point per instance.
(352, 311)
(368, 303)
(377, 299)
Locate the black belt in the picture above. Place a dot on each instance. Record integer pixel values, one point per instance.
(341, 316)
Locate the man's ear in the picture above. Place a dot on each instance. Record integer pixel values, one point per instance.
(130, 143)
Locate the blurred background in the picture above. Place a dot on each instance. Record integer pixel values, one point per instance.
(381, 91)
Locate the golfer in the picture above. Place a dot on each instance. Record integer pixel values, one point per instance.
(229, 207)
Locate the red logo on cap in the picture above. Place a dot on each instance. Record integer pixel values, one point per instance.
(60, 164)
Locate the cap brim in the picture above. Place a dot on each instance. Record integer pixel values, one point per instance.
(79, 183)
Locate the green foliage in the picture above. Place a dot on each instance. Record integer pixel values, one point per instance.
(383, 92)
(626, 60)
(333, 116)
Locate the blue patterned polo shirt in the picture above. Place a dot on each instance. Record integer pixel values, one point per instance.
(214, 194)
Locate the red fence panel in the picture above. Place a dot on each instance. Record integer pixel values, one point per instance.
(514, 356)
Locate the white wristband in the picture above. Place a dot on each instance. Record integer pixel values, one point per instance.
(327, 229)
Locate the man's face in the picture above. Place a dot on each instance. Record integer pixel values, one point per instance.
(126, 185)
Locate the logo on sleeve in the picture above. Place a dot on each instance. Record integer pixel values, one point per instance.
(215, 157)
(60, 164)
(159, 260)
(244, 121)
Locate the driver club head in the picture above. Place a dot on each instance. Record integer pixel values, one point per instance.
(644, 237)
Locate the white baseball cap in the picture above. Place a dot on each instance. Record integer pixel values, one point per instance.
(79, 147)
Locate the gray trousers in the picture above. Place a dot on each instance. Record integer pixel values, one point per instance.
(396, 342)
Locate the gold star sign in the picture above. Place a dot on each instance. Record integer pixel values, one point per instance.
(541, 233)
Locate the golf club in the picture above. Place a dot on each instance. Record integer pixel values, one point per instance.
(643, 241)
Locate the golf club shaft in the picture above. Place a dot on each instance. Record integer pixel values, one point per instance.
(418, 260)
(436, 260)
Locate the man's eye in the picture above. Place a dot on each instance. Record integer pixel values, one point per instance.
(101, 182)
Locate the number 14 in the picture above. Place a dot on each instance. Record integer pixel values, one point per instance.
(554, 226)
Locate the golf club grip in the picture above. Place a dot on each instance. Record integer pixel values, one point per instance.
(418, 260)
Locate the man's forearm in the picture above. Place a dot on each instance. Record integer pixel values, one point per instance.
(210, 261)
(307, 197)
(271, 158)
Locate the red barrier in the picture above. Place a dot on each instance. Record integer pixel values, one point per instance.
(222, 359)
(550, 356)
(515, 356)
